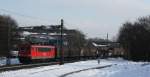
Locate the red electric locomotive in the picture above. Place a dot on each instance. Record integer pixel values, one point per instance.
(37, 48)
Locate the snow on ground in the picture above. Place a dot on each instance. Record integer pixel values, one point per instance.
(119, 68)
(13, 61)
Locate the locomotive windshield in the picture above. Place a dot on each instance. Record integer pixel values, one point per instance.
(44, 49)
(25, 48)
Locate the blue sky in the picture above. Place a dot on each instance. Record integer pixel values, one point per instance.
(95, 18)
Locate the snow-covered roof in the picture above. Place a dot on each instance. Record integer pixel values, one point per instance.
(99, 45)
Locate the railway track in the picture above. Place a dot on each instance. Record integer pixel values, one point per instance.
(100, 67)
(25, 66)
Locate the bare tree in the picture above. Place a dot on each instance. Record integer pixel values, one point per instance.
(7, 32)
(135, 38)
(76, 42)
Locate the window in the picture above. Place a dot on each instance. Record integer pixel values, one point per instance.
(44, 49)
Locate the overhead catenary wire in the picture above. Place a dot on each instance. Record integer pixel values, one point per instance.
(39, 20)
(44, 20)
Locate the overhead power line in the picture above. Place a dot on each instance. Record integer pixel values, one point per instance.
(23, 15)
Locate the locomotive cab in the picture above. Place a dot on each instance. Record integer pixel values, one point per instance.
(24, 53)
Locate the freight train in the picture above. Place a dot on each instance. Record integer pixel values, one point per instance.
(41, 47)
(47, 48)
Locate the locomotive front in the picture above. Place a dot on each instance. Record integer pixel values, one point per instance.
(36, 48)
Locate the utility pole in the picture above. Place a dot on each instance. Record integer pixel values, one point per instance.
(107, 39)
(61, 43)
